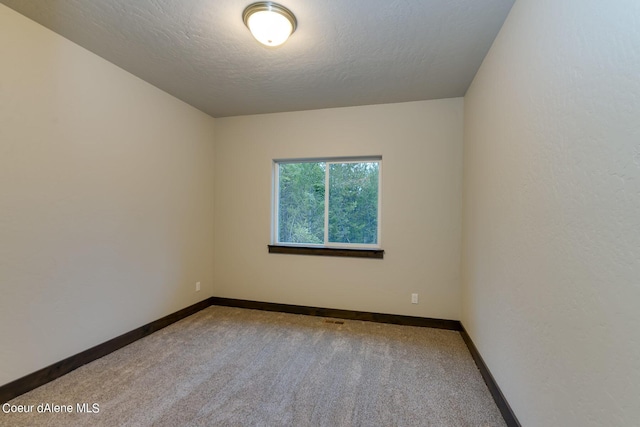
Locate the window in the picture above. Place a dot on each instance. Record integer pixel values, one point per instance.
(327, 203)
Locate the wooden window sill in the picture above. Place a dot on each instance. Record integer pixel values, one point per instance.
(340, 252)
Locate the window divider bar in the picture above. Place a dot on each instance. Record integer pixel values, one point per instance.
(326, 202)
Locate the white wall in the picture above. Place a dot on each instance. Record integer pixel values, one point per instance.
(551, 251)
(106, 199)
(421, 147)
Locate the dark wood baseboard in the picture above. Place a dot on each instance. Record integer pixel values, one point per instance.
(50, 373)
(455, 325)
(340, 314)
(506, 411)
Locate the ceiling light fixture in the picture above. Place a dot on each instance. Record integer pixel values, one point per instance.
(270, 23)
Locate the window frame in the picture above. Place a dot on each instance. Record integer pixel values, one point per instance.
(340, 248)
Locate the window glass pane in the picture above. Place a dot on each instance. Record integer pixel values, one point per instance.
(301, 204)
(353, 202)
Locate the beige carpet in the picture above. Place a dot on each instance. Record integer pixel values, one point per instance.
(235, 367)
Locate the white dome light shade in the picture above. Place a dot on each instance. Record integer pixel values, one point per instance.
(270, 23)
(269, 28)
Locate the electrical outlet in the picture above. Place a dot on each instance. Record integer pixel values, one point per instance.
(197, 286)
(414, 298)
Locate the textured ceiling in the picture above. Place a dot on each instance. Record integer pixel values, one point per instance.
(343, 53)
